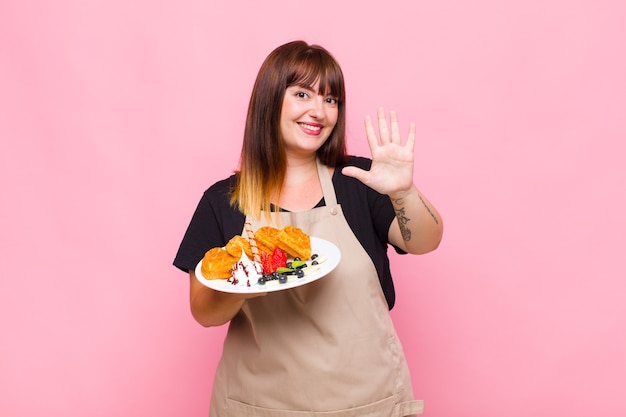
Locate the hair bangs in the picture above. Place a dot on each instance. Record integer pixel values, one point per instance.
(317, 66)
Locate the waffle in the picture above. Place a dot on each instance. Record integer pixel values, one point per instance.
(236, 244)
(266, 238)
(294, 242)
(217, 264)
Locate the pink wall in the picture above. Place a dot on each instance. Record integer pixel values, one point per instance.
(115, 115)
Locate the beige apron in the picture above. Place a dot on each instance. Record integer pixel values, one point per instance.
(328, 348)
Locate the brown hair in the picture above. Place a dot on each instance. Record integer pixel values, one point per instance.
(263, 160)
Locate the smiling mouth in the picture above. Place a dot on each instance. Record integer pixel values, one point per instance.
(311, 128)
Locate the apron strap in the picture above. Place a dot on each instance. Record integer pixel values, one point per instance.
(330, 198)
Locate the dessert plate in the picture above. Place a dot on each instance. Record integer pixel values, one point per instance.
(319, 246)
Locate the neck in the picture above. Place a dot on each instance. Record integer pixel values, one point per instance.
(301, 189)
(299, 169)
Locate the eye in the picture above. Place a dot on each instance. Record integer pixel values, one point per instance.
(302, 94)
(332, 100)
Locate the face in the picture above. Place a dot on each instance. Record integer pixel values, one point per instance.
(307, 120)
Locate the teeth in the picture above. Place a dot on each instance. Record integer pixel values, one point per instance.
(309, 127)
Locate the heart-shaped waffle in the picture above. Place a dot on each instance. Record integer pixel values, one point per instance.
(217, 264)
(236, 244)
(294, 242)
(266, 238)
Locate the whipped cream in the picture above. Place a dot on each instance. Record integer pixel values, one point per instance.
(245, 272)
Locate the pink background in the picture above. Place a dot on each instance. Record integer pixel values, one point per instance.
(116, 115)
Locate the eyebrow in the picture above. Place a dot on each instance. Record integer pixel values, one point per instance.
(310, 88)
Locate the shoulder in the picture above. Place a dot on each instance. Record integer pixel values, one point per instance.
(218, 194)
(222, 188)
(215, 204)
(213, 223)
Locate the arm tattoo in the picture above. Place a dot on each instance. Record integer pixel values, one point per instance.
(402, 220)
(428, 209)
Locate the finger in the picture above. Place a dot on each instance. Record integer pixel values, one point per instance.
(370, 132)
(355, 172)
(410, 141)
(382, 126)
(395, 129)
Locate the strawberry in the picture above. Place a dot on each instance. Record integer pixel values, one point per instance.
(266, 262)
(279, 259)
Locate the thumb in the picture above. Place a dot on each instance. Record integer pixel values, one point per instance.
(355, 172)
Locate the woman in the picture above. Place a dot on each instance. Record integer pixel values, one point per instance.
(329, 346)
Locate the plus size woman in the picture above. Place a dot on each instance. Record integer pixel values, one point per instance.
(328, 348)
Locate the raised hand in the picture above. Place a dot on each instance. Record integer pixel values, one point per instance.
(392, 162)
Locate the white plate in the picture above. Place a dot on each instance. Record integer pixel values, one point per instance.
(318, 246)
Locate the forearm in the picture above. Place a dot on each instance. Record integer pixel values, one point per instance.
(418, 227)
(210, 307)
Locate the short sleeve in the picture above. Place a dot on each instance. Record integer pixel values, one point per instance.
(213, 223)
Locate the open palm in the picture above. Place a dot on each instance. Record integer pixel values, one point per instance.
(392, 162)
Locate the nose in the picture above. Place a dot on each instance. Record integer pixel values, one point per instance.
(317, 107)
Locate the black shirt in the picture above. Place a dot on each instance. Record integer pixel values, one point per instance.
(368, 213)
